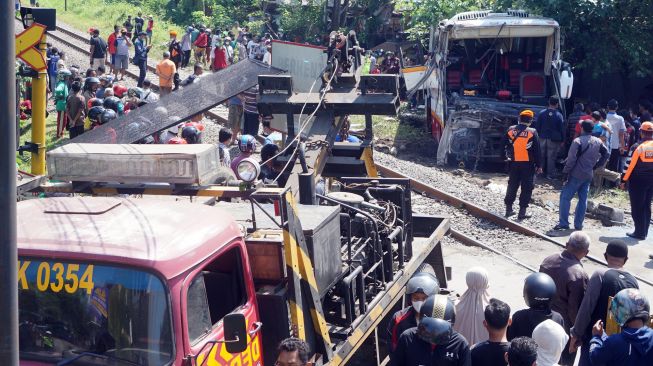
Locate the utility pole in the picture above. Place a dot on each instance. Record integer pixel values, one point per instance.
(8, 252)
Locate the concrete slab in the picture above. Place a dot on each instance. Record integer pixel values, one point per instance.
(505, 277)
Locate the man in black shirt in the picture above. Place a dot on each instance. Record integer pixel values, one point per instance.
(433, 341)
(98, 50)
(416, 349)
(492, 352)
(139, 22)
(539, 291)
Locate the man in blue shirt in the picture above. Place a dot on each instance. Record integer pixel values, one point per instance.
(550, 128)
(140, 56)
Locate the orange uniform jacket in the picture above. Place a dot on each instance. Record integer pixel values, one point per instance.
(639, 161)
(522, 145)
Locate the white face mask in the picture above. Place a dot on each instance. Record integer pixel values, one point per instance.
(417, 305)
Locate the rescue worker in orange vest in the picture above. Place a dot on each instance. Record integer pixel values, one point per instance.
(524, 159)
(638, 172)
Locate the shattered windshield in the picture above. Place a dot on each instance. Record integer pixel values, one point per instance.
(92, 314)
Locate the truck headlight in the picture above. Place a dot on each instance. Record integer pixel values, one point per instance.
(248, 170)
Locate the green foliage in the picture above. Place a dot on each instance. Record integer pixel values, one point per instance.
(422, 14)
(601, 36)
(303, 22)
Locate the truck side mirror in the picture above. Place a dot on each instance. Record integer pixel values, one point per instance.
(566, 81)
(235, 332)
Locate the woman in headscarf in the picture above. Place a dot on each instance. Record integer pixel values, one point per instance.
(470, 309)
(551, 340)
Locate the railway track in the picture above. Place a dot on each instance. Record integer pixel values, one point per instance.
(80, 44)
(527, 259)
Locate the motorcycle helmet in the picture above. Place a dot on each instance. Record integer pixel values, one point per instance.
(115, 104)
(135, 92)
(439, 306)
(108, 115)
(539, 290)
(423, 282)
(63, 74)
(247, 143)
(94, 113)
(629, 304)
(434, 330)
(191, 134)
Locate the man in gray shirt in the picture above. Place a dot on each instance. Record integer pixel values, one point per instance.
(571, 281)
(586, 154)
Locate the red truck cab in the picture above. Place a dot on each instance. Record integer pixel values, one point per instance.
(109, 281)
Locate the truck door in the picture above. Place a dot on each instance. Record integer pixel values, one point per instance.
(220, 286)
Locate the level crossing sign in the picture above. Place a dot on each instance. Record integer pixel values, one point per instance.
(27, 43)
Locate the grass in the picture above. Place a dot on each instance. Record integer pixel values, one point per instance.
(104, 14)
(24, 161)
(389, 129)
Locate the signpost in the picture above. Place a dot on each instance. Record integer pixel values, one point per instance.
(30, 47)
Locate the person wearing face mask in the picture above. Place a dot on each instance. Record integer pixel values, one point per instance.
(418, 289)
(434, 341)
(471, 307)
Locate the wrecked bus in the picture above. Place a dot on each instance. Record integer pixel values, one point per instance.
(485, 68)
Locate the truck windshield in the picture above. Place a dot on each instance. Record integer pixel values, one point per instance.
(116, 313)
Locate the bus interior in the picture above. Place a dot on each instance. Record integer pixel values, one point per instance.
(504, 69)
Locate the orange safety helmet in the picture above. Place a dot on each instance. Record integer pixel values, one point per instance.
(527, 113)
(647, 126)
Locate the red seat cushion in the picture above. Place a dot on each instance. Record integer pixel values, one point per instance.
(533, 85)
(454, 78)
(475, 76)
(515, 76)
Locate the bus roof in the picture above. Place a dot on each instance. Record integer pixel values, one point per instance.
(485, 24)
(169, 237)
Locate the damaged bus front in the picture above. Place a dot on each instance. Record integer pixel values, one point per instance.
(486, 68)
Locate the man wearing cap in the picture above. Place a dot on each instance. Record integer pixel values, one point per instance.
(140, 56)
(605, 282)
(638, 172)
(618, 140)
(586, 154)
(174, 47)
(523, 153)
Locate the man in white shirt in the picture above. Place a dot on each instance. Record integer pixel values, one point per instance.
(617, 142)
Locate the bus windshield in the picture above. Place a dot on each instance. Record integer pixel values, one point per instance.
(94, 313)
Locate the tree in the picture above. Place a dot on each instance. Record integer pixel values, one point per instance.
(602, 36)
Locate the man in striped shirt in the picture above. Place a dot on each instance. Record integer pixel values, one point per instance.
(251, 120)
(638, 172)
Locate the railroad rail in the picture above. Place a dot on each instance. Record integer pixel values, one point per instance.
(481, 213)
(81, 45)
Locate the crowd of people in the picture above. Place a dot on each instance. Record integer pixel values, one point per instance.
(567, 310)
(604, 317)
(595, 143)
